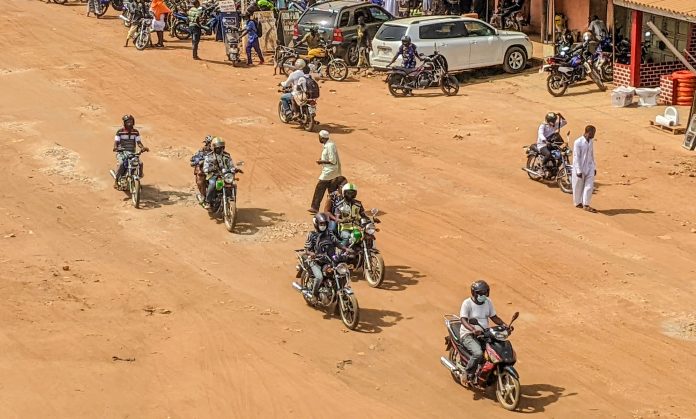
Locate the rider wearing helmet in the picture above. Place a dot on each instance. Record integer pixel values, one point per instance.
(125, 142)
(215, 162)
(197, 164)
(321, 241)
(295, 80)
(547, 132)
(408, 53)
(349, 212)
(480, 307)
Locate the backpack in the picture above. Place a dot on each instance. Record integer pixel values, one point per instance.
(312, 88)
(259, 28)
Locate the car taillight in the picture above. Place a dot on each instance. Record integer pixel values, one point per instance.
(295, 31)
(337, 35)
(550, 60)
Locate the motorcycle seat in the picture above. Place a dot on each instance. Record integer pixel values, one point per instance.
(406, 70)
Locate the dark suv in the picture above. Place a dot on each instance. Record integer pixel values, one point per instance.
(337, 22)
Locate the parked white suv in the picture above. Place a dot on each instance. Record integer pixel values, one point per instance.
(465, 43)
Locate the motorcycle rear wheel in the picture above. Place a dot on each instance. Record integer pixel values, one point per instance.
(60, 1)
(229, 215)
(287, 65)
(308, 124)
(449, 85)
(337, 70)
(135, 192)
(452, 355)
(555, 85)
(606, 72)
(597, 79)
(181, 32)
(100, 9)
(507, 391)
(564, 183)
(350, 312)
(395, 82)
(306, 284)
(374, 276)
(534, 165)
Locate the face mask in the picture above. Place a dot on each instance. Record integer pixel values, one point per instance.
(322, 227)
(481, 298)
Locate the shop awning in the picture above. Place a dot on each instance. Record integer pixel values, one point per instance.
(677, 9)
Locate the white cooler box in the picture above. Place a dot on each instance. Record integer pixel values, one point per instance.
(622, 96)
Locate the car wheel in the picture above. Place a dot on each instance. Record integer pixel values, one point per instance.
(352, 55)
(515, 60)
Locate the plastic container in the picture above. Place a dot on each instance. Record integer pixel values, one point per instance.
(622, 97)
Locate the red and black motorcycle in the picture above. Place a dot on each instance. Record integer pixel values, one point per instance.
(499, 360)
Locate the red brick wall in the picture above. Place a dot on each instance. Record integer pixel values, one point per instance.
(667, 90)
(650, 74)
(622, 74)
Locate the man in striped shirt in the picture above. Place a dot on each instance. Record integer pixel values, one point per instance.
(125, 142)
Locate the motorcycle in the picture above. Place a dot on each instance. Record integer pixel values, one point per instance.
(325, 58)
(305, 117)
(367, 256)
(225, 202)
(602, 60)
(211, 17)
(141, 35)
(432, 72)
(334, 289)
(558, 168)
(499, 359)
(514, 21)
(565, 72)
(130, 181)
(101, 6)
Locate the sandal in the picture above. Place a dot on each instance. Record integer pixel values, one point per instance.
(589, 209)
(579, 206)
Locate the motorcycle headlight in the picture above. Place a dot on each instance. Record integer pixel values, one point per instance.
(229, 178)
(342, 269)
(370, 229)
(501, 335)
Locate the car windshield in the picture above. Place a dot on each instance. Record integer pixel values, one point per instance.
(390, 32)
(318, 17)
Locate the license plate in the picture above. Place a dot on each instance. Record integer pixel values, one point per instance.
(234, 50)
(312, 110)
(384, 50)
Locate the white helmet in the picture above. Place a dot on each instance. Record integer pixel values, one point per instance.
(300, 64)
(324, 134)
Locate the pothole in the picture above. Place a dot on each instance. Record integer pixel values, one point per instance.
(245, 121)
(62, 162)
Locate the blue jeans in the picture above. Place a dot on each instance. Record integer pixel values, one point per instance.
(257, 48)
(318, 276)
(474, 347)
(210, 195)
(195, 39)
(286, 99)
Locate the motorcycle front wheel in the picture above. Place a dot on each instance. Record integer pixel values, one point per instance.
(281, 113)
(100, 9)
(564, 182)
(449, 85)
(337, 70)
(230, 215)
(307, 284)
(507, 391)
(598, 80)
(350, 312)
(534, 165)
(606, 72)
(181, 31)
(555, 85)
(134, 188)
(375, 275)
(396, 83)
(308, 123)
(142, 40)
(287, 65)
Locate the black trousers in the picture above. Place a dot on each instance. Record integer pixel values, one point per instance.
(195, 39)
(322, 187)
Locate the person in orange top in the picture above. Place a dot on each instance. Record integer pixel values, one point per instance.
(161, 11)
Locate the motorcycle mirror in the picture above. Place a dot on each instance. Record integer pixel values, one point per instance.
(240, 163)
(514, 317)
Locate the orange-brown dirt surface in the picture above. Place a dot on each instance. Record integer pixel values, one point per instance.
(204, 323)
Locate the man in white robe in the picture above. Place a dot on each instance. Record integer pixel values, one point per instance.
(584, 169)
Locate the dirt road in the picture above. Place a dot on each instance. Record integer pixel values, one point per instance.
(109, 311)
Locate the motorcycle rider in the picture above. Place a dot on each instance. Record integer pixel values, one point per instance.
(215, 161)
(408, 53)
(321, 241)
(125, 143)
(334, 198)
(546, 133)
(294, 79)
(197, 163)
(348, 212)
(480, 307)
(313, 41)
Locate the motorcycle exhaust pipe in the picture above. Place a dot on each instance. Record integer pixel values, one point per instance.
(113, 175)
(531, 171)
(123, 18)
(297, 286)
(448, 364)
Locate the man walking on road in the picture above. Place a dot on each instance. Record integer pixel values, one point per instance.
(330, 173)
(584, 169)
(252, 32)
(194, 16)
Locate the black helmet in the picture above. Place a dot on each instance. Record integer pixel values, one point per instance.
(313, 29)
(405, 39)
(318, 220)
(126, 119)
(551, 118)
(479, 287)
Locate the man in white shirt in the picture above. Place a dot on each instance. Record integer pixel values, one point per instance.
(598, 28)
(330, 171)
(293, 79)
(554, 123)
(478, 307)
(584, 169)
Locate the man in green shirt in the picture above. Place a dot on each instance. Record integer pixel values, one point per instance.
(311, 39)
(194, 17)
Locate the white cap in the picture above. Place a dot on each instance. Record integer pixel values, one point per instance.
(323, 134)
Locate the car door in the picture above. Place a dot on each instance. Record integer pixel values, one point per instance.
(450, 40)
(485, 44)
